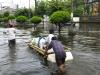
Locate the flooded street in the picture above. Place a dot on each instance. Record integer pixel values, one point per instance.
(86, 52)
(20, 60)
(23, 61)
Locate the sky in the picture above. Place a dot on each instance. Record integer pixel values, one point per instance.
(13, 3)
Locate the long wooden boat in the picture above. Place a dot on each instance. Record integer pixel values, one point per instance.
(51, 54)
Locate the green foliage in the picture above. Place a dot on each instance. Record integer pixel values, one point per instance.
(21, 19)
(48, 7)
(57, 5)
(1, 19)
(1, 16)
(24, 12)
(10, 17)
(78, 13)
(60, 17)
(6, 14)
(36, 19)
(78, 8)
(5, 19)
(41, 8)
(36, 32)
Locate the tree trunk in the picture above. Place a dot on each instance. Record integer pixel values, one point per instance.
(59, 28)
(35, 26)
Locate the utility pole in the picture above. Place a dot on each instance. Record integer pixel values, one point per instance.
(85, 6)
(35, 6)
(71, 9)
(12, 3)
(1, 7)
(71, 32)
(29, 9)
(72, 13)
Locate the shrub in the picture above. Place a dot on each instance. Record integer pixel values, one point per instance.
(11, 17)
(6, 14)
(21, 19)
(5, 19)
(36, 20)
(36, 32)
(59, 18)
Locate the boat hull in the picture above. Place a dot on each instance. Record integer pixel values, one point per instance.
(51, 54)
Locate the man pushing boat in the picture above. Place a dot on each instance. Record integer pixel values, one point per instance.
(60, 54)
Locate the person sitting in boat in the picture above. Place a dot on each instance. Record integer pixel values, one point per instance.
(41, 41)
(60, 54)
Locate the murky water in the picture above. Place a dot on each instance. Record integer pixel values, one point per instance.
(23, 61)
(86, 51)
(19, 60)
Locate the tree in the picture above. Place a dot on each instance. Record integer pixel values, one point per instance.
(5, 20)
(1, 18)
(59, 18)
(36, 20)
(21, 19)
(24, 12)
(78, 12)
(49, 6)
(41, 8)
(78, 7)
(6, 14)
(10, 17)
(57, 5)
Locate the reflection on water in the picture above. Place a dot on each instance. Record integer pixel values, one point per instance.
(12, 54)
(20, 60)
(86, 51)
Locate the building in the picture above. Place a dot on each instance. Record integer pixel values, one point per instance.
(7, 8)
(91, 22)
(96, 8)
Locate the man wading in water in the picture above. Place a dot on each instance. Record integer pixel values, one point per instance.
(11, 35)
(60, 54)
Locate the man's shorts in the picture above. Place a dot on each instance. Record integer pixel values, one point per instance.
(60, 61)
(12, 42)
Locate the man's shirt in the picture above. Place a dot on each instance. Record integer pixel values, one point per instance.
(11, 33)
(58, 48)
(49, 37)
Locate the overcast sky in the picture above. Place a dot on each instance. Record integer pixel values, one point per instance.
(13, 3)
